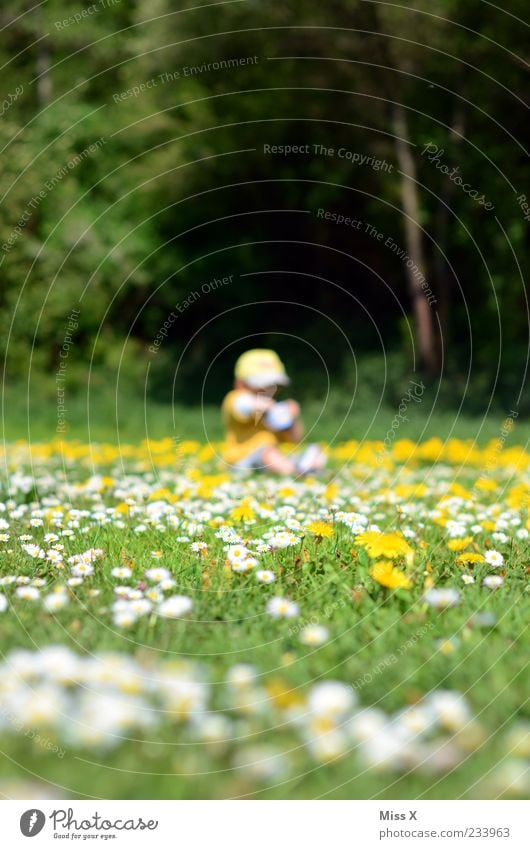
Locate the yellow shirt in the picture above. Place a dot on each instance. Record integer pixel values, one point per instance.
(246, 430)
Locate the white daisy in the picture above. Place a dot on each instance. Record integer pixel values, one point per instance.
(282, 608)
(493, 582)
(175, 607)
(265, 576)
(494, 558)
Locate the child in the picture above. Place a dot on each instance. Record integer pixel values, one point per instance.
(256, 425)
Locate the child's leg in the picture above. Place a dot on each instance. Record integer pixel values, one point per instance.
(274, 461)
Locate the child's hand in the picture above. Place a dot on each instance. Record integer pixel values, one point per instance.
(294, 408)
(262, 403)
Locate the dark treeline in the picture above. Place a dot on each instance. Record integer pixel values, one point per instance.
(333, 179)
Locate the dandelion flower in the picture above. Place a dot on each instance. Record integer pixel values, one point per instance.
(391, 545)
(320, 529)
(385, 573)
(459, 543)
(470, 557)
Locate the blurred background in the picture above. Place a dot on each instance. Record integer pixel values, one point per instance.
(344, 181)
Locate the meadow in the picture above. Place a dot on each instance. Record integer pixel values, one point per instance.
(173, 629)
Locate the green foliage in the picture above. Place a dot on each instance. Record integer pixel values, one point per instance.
(180, 191)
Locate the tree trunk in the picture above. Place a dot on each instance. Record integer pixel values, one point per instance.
(44, 80)
(442, 272)
(425, 332)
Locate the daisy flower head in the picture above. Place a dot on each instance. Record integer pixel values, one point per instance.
(28, 593)
(121, 572)
(34, 550)
(441, 598)
(283, 539)
(467, 579)
(237, 554)
(331, 699)
(157, 574)
(82, 570)
(175, 607)
(494, 558)
(55, 601)
(282, 608)
(265, 576)
(245, 565)
(493, 582)
(314, 635)
(124, 618)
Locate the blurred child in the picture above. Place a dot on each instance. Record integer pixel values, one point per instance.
(256, 424)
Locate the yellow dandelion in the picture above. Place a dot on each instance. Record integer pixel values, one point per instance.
(470, 557)
(320, 529)
(459, 544)
(390, 545)
(385, 573)
(243, 513)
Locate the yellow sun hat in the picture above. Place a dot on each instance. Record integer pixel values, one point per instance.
(260, 368)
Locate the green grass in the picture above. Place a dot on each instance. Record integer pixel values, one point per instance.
(104, 415)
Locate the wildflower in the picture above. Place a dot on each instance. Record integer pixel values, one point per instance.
(175, 607)
(450, 708)
(314, 635)
(245, 565)
(493, 582)
(282, 608)
(157, 575)
(468, 579)
(34, 550)
(470, 557)
(124, 618)
(494, 558)
(443, 597)
(55, 601)
(265, 576)
(82, 570)
(199, 546)
(54, 556)
(237, 554)
(28, 593)
(459, 543)
(391, 545)
(331, 699)
(3, 603)
(283, 539)
(320, 529)
(385, 573)
(121, 572)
